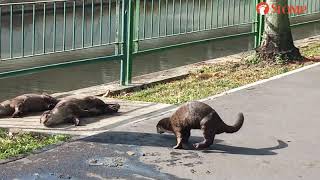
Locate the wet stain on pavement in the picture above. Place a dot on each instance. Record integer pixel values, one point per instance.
(101, 162)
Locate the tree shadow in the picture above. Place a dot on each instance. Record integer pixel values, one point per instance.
(166, 140)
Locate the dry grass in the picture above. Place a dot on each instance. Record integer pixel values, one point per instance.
(217, 78)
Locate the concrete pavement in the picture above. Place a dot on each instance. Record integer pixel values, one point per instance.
(279, 140)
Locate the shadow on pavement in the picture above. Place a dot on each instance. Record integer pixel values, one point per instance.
(165, 140)
(221, 148)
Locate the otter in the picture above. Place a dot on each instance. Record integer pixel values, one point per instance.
(23, 104)
(196, 115)
(69, 110)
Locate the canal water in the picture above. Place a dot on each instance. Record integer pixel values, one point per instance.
(80, 76)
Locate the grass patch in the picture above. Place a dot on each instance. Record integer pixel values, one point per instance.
(311, 50)
(23, 143)
(217, 78)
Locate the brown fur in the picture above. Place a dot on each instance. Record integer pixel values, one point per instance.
(196, 115)
(26, 103)
(71, 109)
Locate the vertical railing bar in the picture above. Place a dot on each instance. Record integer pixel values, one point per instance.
(117, 25)
(151, 21)
(211, 18)
(166, 23)
(83, 18)
(234, 12)
(74, 25)
(249, 11)
(136, 27)
(64, 26)
(54, 27)
(295, 4)
(307, 4)
(109, 19)
(217, 17)
(199, 15)
(0, 32)
(228, 13)
(11, 31)
(159, 18)
(44, 29)
(173, 15)
(312, 7)
(121, 42)
(222, 13)
(123, 64)
(92, 21)
(33, 28)
(239, 13)
(180, 15)
(22, 30)
(192, 10)
(101, 17)
(144, 18)
(205, 14)
(244, 10)
(187, 15)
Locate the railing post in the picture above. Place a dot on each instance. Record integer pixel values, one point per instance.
(261, 26)
(258, 25)
(126, 62)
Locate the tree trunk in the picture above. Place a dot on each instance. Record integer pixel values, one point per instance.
(277, 38)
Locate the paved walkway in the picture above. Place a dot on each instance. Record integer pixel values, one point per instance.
(279, 140)
(129, 111)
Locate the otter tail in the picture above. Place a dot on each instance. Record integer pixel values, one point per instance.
(236, 126)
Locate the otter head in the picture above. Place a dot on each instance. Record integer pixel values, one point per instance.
(47, 119)
(164, 125)
(55, 117)
(51, 118)
(112, 108)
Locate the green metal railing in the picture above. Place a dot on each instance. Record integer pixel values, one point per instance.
(126, 26)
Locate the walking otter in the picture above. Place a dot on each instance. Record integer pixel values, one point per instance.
(26, 103)
(71, 109)
(196, 115)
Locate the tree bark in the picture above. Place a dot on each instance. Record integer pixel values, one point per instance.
(277, 37)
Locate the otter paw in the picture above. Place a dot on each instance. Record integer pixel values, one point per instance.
(200, 146)
(196, 145)
(178, 146)
(16, 115)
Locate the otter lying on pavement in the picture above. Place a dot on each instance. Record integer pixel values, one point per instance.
(71, 109)
(26, 103)
(196, 115)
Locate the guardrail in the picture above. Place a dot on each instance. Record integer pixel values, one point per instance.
(47, 27)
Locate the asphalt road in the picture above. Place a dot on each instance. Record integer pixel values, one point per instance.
(279, 140)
